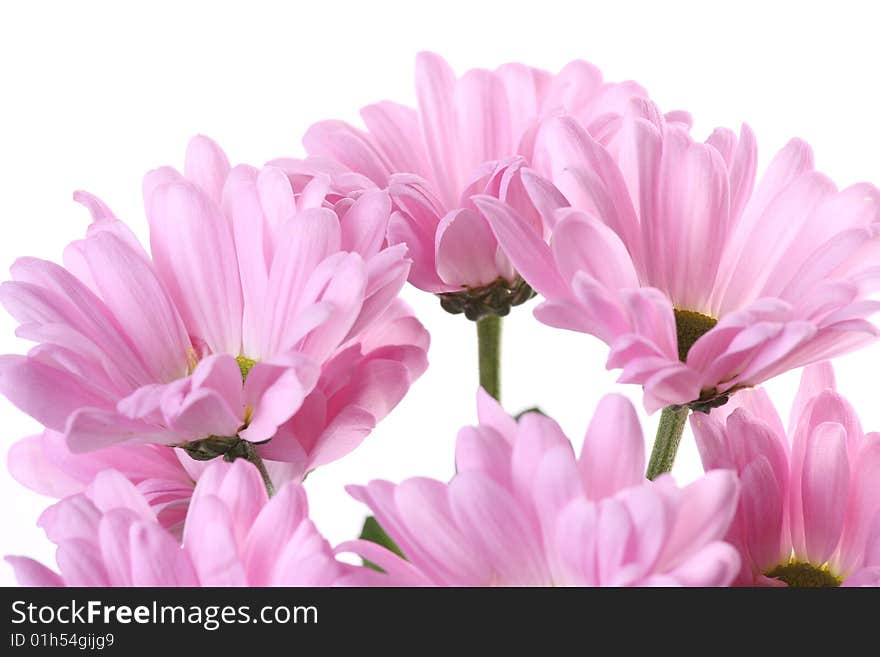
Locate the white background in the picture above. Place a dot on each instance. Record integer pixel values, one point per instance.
(94, 94)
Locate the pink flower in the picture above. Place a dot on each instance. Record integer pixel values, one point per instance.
(268, 312)
(522, 510)
(809, 510)
(699, 281)
(469, 135)
(234, 536)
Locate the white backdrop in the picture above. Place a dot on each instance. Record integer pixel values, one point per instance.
(93, 94)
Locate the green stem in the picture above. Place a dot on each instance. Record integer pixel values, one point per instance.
(489, 347)
(672, 421)
(252, 456)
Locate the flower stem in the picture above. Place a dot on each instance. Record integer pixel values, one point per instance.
(489, 348)
(672, 421)
(252, 456)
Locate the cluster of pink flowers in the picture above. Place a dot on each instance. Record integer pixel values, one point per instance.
(186, 390)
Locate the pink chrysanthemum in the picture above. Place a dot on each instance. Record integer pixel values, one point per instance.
(234, 536)
(469, 135)
(809, 511)
(268, 312)
(700, 281)
(522, 510)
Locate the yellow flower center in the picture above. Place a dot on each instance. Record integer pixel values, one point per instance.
(690, 326)
(245, 364)
(803, 574)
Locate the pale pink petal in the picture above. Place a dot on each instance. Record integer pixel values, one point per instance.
(815, 379)
(306, 240)
(490, 413)
(272, 528)
(241, 202)
(194, 252)
(716, 564)
(158, 560)
(583, 243)
(32, 573)
(206, 165)
(530, 255)
(613, 453)
(710, 505)
(209, 539)
(396, 131)
(490, 519)
(45, 393)
(435, 89)
(339, 141)
(140, 303)
(365, 224)
(274, 393)
(482, 119)
(465, 250)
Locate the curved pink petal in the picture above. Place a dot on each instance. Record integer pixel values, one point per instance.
(613, 453)
(194, 252)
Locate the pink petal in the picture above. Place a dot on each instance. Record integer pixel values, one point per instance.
(158, 560)
(762, 501)
(583, 243)
(490, 413)
(111, 490)
(272, 529)
(395, 129)
(530, 255)
(716, 564)
(139, 302)
(339, 141)
(209, 539)
(47, 394)
(32, 573)
(482, 119)
(241, 202)
(489, 517)
(306, 240)
(693, 215)
(435, 88)
(483, 450)
(613, 454)
(398, 572)
(824, 487)
(465, 250)
(91, 429)
(207, 166)
(274, 393)
(194, 252)
(576, 540)
(365, 224)
(815, 379)
(708, 506)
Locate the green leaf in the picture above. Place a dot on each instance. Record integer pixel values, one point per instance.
(374, 533)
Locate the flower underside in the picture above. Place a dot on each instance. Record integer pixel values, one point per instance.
(802, 574)
(206, 449)
(690, 326)
(496, 298)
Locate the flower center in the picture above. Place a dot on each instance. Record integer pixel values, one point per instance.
(244, 364)
(802, 574)
(690, 326)
(496, 298)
